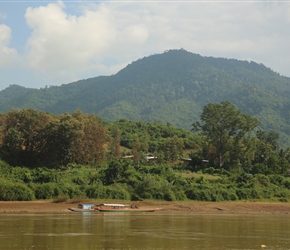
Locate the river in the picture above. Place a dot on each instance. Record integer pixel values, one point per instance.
(85, 231)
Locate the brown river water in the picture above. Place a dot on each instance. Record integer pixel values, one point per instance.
(89, 231)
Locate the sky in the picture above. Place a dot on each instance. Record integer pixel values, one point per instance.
(50, 43)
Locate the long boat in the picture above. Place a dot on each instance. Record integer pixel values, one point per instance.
(117, 208)
(84, 207)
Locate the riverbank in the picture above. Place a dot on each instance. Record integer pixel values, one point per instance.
(248, 207)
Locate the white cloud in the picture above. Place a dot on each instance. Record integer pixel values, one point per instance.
(8, 55)
(73, 45)
(106, 36)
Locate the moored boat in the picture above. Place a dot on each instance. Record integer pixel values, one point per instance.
(84, 207)
(117, 208)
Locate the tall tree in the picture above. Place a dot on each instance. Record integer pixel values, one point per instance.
(137, 151)
(268, 158)
(90, 147)
(114, 151)
(34, 138)
(221, 123)
(62, 135)
(75, 138)
(22, 139)
(172, 148)
(271, 138)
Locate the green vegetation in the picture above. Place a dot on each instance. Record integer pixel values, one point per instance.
(78, 156)
(225, 128)
(172, 87)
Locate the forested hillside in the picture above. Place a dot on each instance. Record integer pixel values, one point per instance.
(172, 87)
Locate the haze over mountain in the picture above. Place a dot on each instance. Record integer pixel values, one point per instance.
(170, 87)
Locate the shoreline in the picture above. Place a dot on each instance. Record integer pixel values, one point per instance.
(240, 207)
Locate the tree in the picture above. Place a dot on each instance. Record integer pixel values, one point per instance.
(75, 138)
(113, 173)
(30, 138)
(22, 136)
(114, 145)
(137, 151)
(224, 126)
(92, 139)
(271, 138)
(172, 148)
(62, 136)
(268, 158)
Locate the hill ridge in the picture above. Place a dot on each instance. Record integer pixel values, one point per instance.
(171, 87)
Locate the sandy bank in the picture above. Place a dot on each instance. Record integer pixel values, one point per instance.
(190, 207)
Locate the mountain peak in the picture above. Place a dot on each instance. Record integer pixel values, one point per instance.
(171, 87)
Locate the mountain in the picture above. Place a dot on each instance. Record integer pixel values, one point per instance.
(171, 87)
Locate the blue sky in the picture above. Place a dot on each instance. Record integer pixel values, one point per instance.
(44, 43)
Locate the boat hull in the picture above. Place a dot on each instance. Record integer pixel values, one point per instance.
(83, 210)
(138, 210)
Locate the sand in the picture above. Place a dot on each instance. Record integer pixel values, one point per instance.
(248, 207)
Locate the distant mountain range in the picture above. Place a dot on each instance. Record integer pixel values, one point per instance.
(172, 87)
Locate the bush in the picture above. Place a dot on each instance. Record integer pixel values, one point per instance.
(211, 193)
(169, 196)
(263, 180)
(47, 191)
(277, 179)
(199, 193)
(15, 192)
(96, 191)
(224, 194)
(247, 193)
(286, 183)
(209, 170)
(71, 190)
(21, 173)
(5, 169)
(283, 200)
(43, 175)
(282, 193)
(117, 192)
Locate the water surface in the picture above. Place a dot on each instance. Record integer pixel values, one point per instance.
(143, 231)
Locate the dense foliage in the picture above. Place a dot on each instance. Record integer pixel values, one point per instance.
(70, 156)
(225, 127)
(172, 87)
(30, 138)
(124, 180)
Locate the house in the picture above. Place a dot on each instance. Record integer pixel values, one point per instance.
(187, 161)
(148, 157)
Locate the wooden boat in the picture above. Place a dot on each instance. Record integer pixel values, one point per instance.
(85, 207)
(117, 208)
